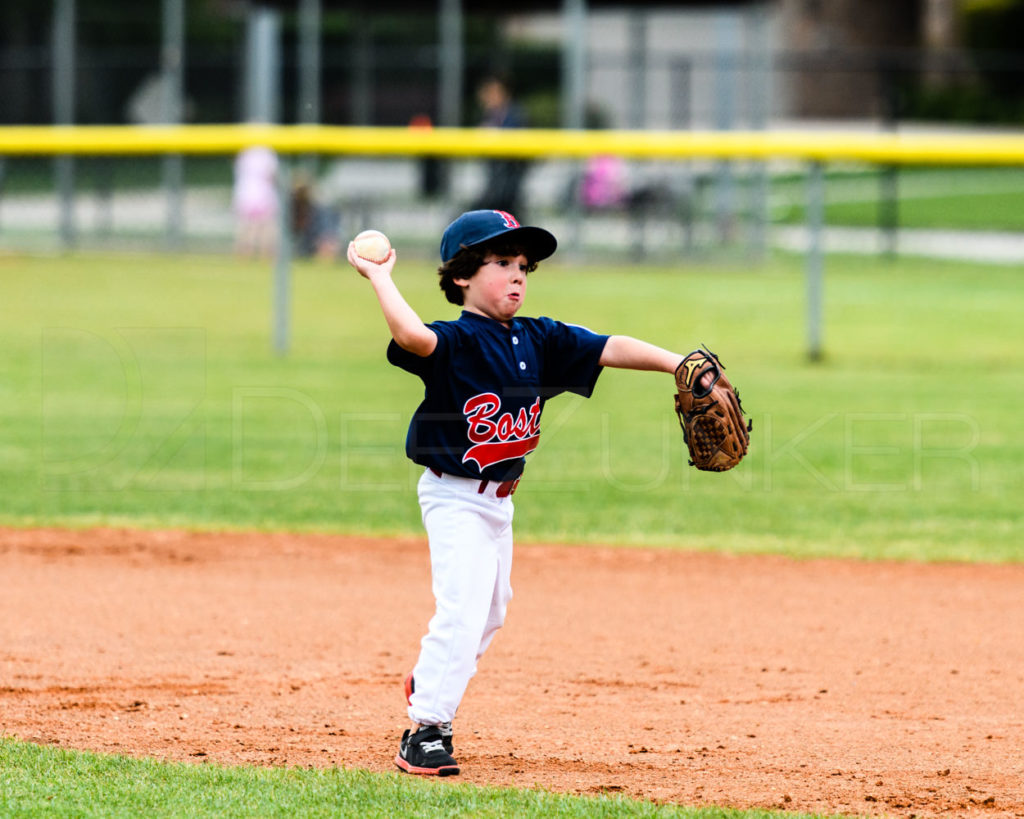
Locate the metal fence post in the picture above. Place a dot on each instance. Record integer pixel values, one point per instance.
(451, 64)
(574, 92)
(309, 60)
(759, 74)
(450, 71)
(283, 262)
(263, 65)
(172, 67)
(891, 79)
(815, 257)
(681, 120)
(63, 87)
(727, 50)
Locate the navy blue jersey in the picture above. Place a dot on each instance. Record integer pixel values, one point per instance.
(486, 385)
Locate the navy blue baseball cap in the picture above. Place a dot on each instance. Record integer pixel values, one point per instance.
(477, 226)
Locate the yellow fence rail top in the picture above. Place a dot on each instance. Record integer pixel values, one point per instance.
(881, 147)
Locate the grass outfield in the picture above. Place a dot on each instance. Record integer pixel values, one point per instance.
(142, 391)
(982, 199)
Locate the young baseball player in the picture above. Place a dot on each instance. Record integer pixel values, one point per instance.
(487, 376)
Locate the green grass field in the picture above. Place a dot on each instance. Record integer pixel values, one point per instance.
(979, 199)
(143, 391)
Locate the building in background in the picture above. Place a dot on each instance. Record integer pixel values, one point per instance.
(781, 60)
(648, 64)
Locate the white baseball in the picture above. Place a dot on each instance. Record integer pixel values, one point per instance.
(372, 245)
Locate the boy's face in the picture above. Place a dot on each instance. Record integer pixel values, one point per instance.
(498, 288)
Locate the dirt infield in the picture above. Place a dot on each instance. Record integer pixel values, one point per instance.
(697, 679)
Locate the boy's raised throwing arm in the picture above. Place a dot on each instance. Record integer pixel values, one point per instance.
(407, 328)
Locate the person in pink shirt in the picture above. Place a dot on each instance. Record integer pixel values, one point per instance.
(255, 202)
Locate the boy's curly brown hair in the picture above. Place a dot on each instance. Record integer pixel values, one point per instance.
(468, 261)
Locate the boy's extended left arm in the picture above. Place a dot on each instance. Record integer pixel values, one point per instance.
(714, 425)
(626, 352)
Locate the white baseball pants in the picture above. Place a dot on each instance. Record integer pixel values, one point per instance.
(470, 536)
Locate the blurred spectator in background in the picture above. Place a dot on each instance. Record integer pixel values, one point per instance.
(504, 177)
(431, 169)
(604, 183)
(255, 202)
(316, 228)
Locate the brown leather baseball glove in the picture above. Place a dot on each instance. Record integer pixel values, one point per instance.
(710, 413)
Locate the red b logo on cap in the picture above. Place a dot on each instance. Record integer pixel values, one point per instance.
(508, 219)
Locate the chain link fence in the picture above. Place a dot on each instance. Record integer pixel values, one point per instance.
(726, 75)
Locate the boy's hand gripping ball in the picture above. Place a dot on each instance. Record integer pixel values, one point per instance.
(372, 245)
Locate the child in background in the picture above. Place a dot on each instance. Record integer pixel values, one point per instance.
(255, 202)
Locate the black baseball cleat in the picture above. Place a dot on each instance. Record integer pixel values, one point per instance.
(423, 753)
(447, 740)
(447, 732)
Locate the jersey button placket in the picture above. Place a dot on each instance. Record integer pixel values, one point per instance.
(515, 343)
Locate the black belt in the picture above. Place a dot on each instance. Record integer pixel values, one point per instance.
(505, 488)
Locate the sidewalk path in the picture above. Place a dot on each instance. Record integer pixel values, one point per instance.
(962, 245)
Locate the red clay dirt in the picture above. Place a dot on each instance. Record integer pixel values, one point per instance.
(698, 679)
